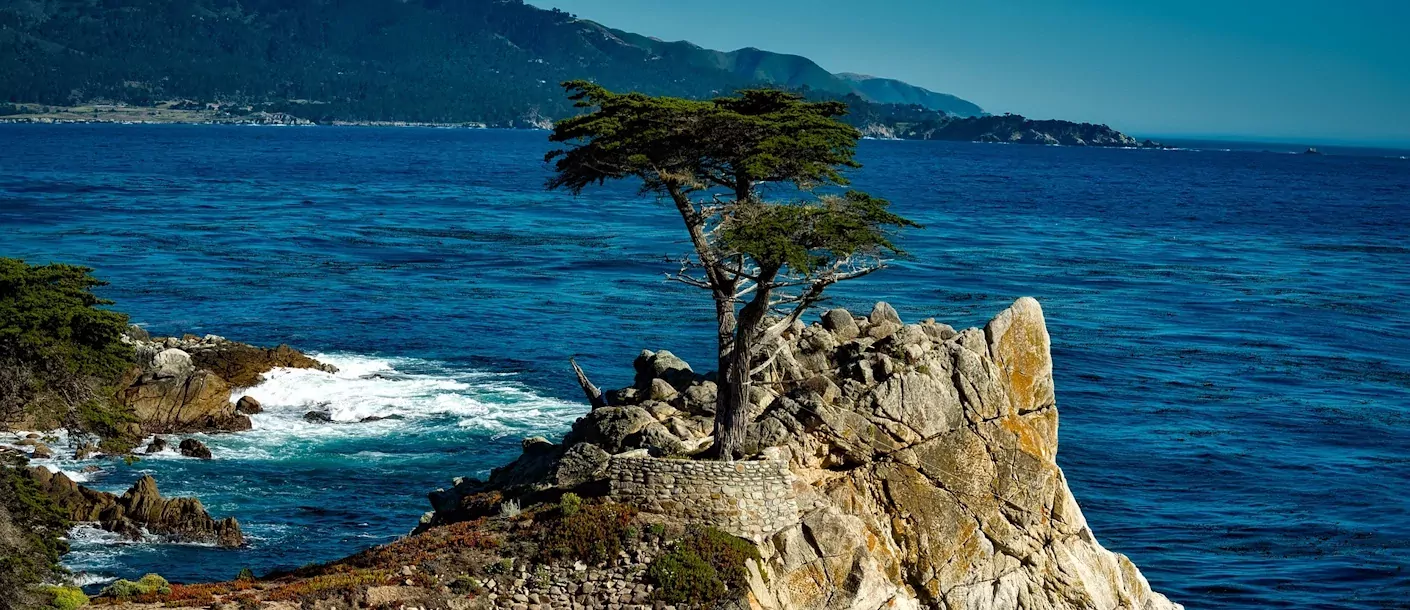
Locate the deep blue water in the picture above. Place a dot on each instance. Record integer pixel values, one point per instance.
(1230, 331)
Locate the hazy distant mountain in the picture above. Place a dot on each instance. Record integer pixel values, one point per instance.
(496, 61)
(892, 91)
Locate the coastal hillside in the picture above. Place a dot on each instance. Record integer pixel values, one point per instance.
(497, 62)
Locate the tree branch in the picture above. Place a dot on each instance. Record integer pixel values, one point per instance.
(594, 395)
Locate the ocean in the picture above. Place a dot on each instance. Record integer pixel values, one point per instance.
(1229, 327)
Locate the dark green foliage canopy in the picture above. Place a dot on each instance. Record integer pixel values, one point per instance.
(60, 352)
(50, 316)
(726, 143)
(807, 236)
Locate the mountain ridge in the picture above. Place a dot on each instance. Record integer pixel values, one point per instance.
(489, 61)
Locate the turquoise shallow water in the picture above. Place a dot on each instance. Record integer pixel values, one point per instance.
(1230, 335)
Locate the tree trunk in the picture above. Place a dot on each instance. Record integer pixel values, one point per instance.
(732, 404)
(725, 401)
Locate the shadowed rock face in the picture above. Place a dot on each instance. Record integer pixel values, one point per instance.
(924, 461)
(141, 508)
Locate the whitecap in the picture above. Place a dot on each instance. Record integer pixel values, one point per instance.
(86, 579)
(378, 388)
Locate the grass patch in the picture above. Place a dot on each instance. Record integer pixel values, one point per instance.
(424, 547)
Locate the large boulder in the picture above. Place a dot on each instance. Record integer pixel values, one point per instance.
(172, 363)
(662, 365)
(247, 405)
(609, 427)
(580, 464)
(840, 323)
(197, 401)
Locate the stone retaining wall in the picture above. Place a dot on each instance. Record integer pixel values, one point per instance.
(750, 499)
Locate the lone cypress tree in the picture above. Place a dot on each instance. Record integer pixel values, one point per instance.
(764, 262)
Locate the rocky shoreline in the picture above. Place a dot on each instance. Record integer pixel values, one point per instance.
(184, 384)
(895, 465)
(139, 512)
(177, 385)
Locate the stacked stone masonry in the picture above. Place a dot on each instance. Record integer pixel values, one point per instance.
(750, 499)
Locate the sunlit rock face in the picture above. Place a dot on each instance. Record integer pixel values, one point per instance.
(922, 463)
(929, 479)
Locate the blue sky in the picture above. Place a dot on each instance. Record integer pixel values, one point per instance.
(1293, 70)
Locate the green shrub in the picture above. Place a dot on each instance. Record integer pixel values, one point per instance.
(150, 584)
(593, 533)
(65, 598)
(32, 528)
(503, 566)
(685, 578)
(466, 585)
(61, 354)
(570, 504)
(245, 574)
(704, 567)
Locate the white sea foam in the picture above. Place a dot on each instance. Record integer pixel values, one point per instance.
(73, 475)
(371, 397)
(84, 579)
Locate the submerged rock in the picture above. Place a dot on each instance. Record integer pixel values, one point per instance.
(157, 445)
(318, 417)
(193, 448)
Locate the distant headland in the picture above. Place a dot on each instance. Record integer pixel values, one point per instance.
(1006, 128)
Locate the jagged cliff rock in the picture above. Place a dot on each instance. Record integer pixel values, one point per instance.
(183, 384)
(141, 508)
(923, 464)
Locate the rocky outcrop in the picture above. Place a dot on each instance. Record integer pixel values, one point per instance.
(242, 365)
(141, 510)
(923, 462)
(184, 384)
(172, 396)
